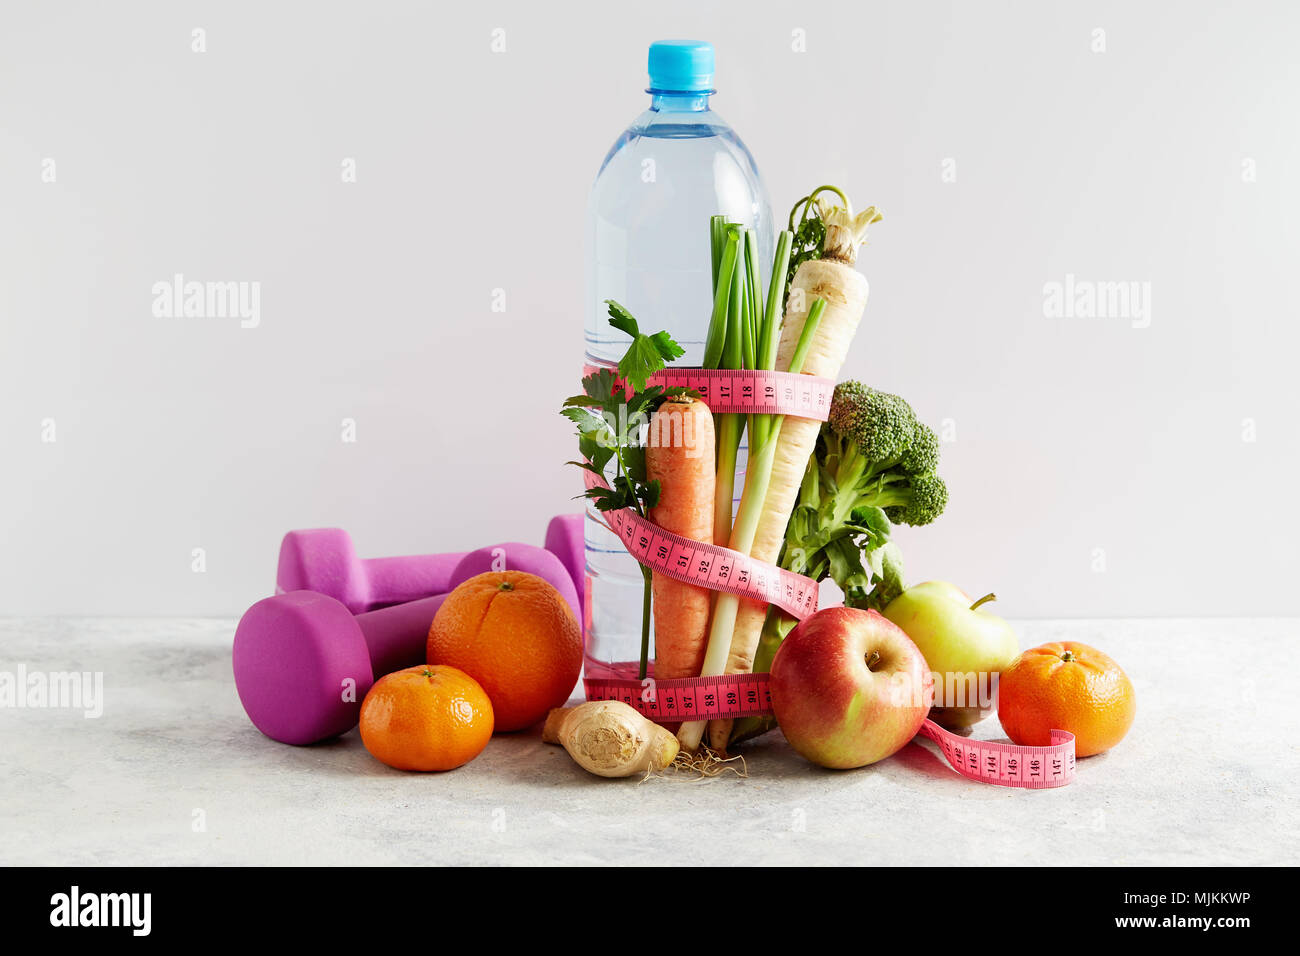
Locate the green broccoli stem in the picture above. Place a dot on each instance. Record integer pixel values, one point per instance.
(852, 465)
(859, 483)
(854, 470)
(884, 494)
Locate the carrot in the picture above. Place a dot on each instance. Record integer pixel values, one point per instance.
(779, 455)
(680, 457)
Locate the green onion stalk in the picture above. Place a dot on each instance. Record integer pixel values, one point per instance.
(764, 434)
(724, 348)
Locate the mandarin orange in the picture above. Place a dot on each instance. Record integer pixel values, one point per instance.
(426, 718)
(516, 635)
(1066, 686)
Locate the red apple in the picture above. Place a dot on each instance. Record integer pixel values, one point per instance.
(849, 688)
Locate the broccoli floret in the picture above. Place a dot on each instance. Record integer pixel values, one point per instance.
(882, 425)
(874, 464)
(878, 455)
(929, 496)
(922, 456)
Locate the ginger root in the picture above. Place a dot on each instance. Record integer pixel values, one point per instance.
(610, 739)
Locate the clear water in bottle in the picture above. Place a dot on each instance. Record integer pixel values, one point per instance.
(648, 247)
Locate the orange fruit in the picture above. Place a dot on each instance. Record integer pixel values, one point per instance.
(514, 634)
(1066, 686)
(426, 718)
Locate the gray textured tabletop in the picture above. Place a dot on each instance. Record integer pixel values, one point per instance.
(173, 773)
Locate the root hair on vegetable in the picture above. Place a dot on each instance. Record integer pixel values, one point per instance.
(706, 763)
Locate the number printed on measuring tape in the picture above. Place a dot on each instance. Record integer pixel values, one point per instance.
(741, 391)
(687, 698)
(709, 565)
(1008, 765)
(745, 391)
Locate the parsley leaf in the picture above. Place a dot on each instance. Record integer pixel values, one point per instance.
(610, 417)
(647, 354)
(610, 414)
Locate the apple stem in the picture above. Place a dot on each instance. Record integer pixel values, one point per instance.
(873, 659)
(984, 600)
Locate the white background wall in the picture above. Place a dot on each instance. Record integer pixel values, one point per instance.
(1073, 435)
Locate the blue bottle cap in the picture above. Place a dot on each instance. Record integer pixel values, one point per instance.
(681, 66)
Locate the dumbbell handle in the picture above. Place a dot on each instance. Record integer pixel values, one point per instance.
(398, 636)
(362, 584)
(406, 579)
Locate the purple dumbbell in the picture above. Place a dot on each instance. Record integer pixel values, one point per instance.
(324, 560)
(303, 663)
(564, 540)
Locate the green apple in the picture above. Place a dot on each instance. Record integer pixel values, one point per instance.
(965, 646)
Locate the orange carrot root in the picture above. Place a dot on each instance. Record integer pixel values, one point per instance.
(681, 458)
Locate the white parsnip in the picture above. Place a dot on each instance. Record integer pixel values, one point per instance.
(844, 290)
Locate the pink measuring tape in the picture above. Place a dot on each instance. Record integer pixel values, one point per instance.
(1008, 765)
(747, 695)
(687, 698)
(709, 565)
(741, 392)
(718, 568)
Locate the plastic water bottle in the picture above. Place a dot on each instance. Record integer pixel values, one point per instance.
(676, 165)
